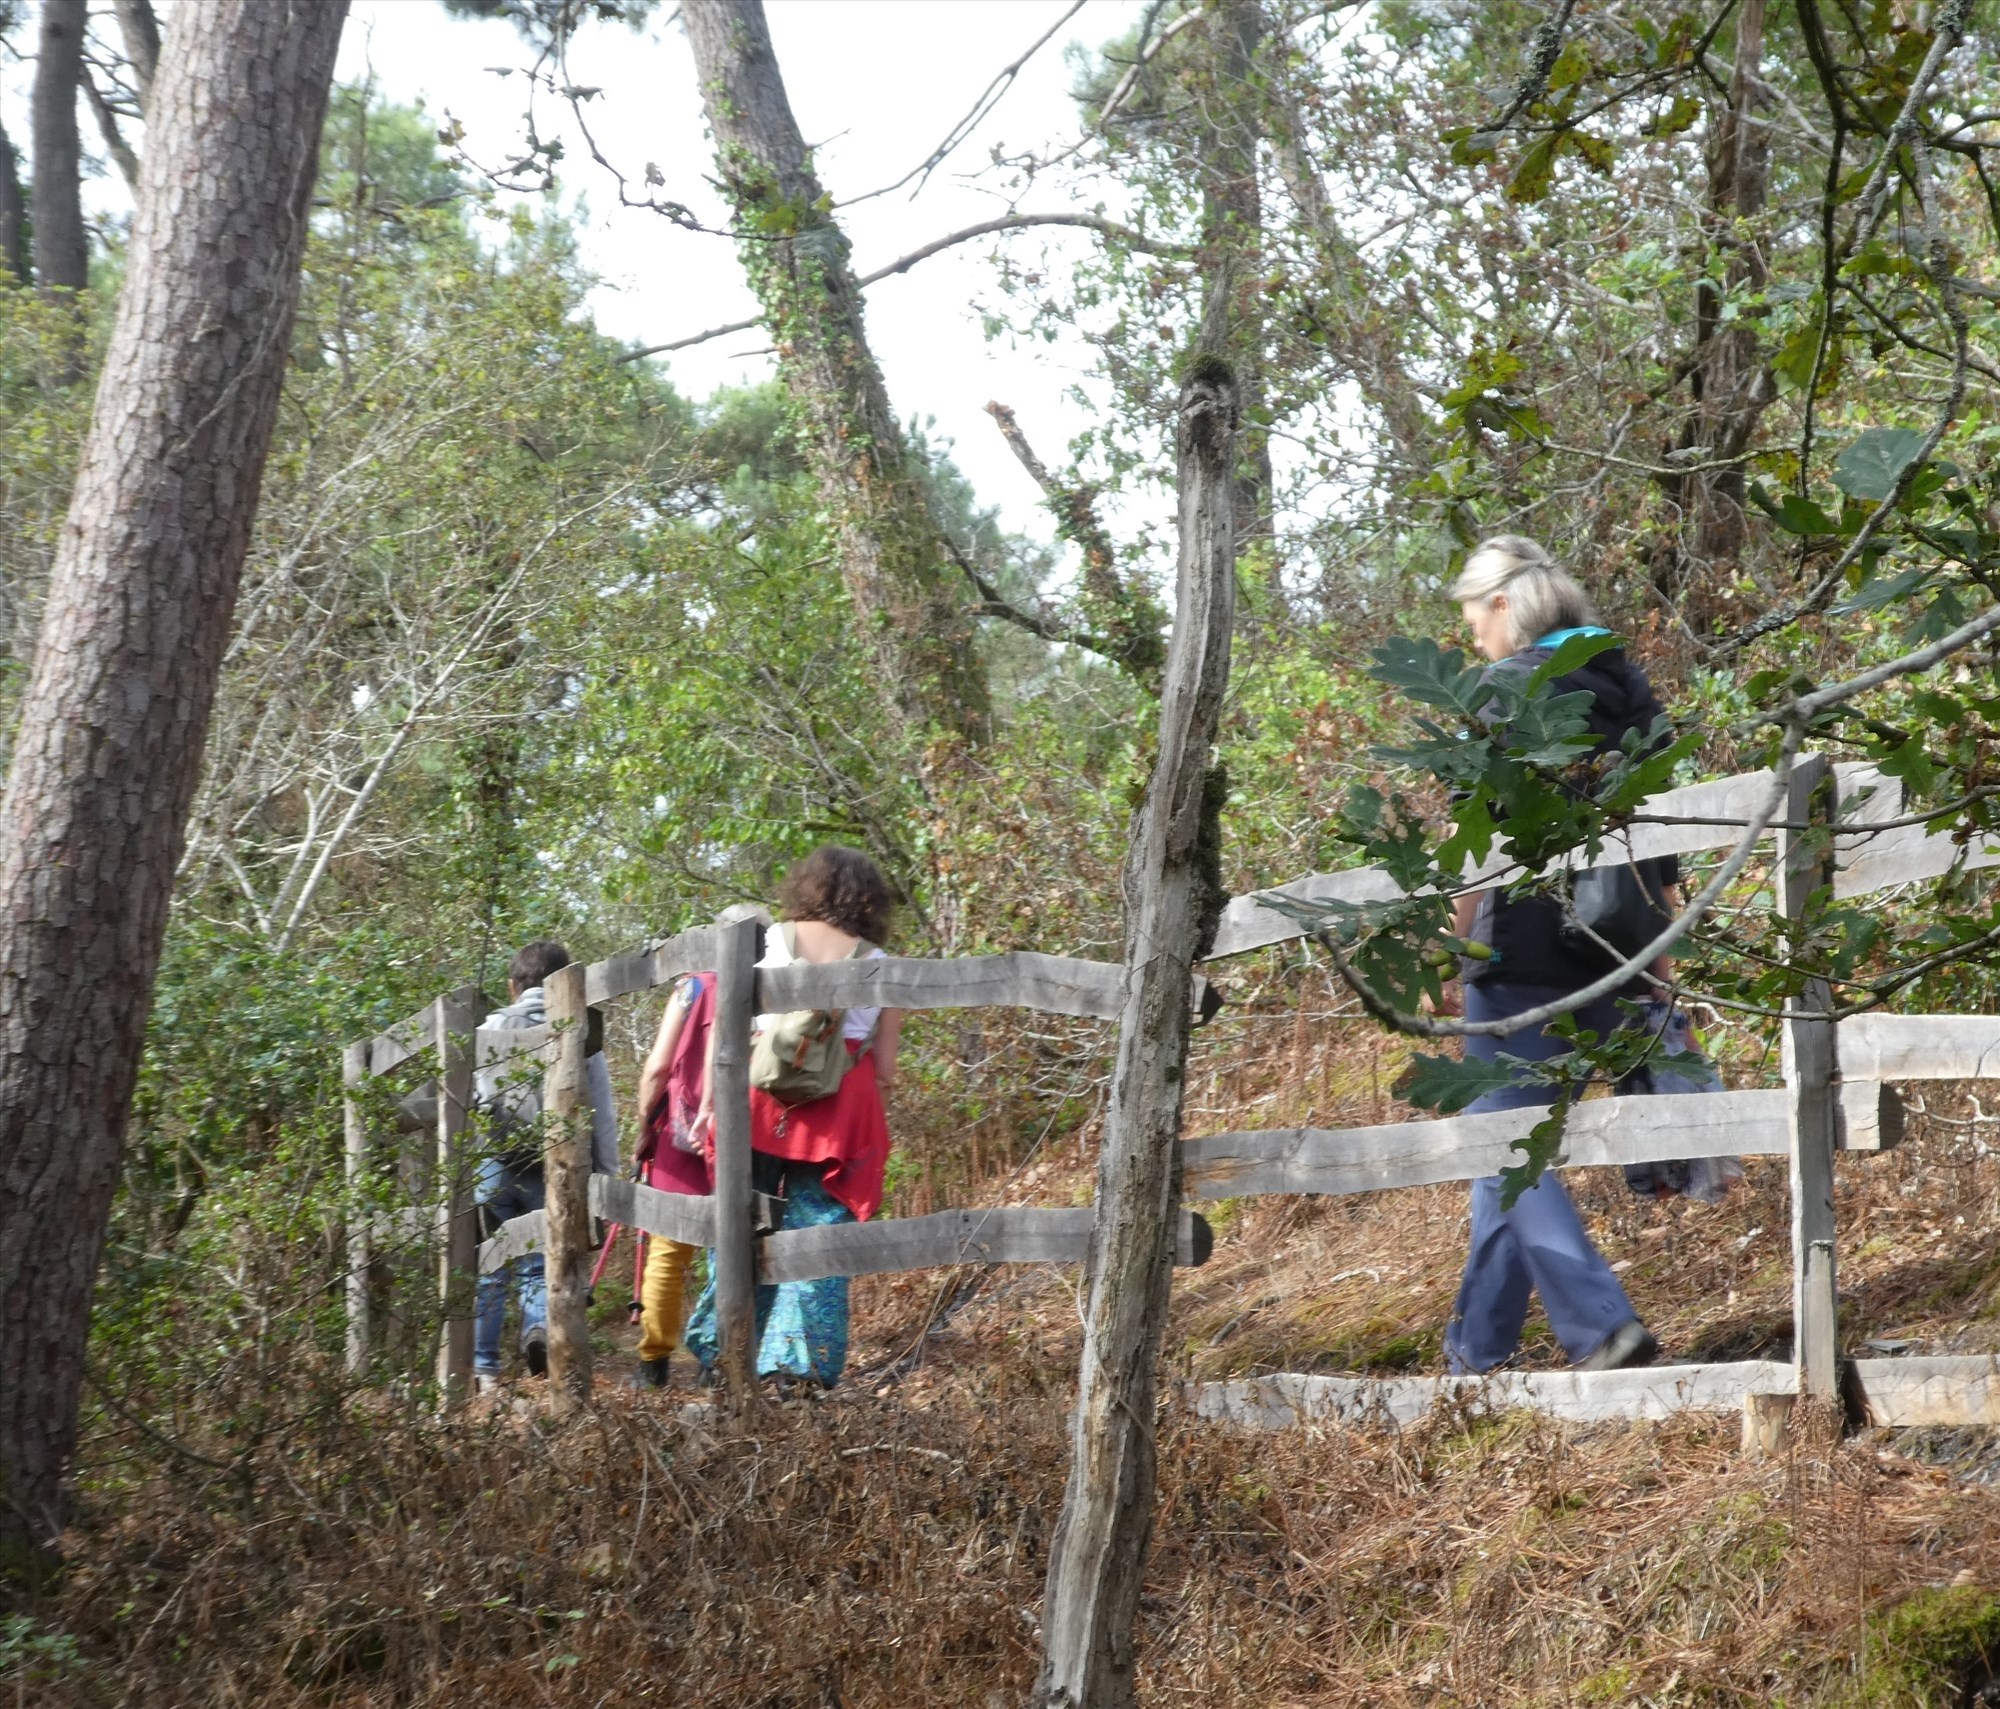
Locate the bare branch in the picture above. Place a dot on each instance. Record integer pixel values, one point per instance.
(989, 98)
(986, 228)
(1148, 51)
(107, 124)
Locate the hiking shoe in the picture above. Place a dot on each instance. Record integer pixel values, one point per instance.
(486, 1382)
(651, 1374)
(535, 1350)
(1631, 1343)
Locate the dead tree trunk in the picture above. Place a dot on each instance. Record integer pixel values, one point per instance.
(1233, 228)
(62, 247)
(117, 707)
(872, 487)
(1173, 897)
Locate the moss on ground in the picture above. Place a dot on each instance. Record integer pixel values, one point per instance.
(1928, 1649)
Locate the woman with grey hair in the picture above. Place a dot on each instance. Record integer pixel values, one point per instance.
(1521, 606)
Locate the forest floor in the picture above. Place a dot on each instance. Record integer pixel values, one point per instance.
(886, 1545)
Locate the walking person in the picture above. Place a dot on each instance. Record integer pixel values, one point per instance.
(817, 1162)
(672, 1157)
(508, 1099)
(1521, 606)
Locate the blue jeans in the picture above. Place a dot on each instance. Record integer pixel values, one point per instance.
(1540, 1245)
(504, 1194)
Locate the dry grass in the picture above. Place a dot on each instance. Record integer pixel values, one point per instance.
(889, 1550)
(887, 1546)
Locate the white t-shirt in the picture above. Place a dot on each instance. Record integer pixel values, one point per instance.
(859, 1022)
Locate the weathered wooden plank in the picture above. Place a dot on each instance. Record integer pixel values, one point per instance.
(516, 1239)
(735, 1264)
(1004, 1235)
(1804, 870)
(673, 1216)
(360, 1240)
(1950, 1391)
(692, 951)
(1585, 1397)
(1906, 855)
(1715, 813)
(390, 1049)
(458, 1217)
(618, 976)
(1055, 984)
(1462, 1148)
(1920, 1047)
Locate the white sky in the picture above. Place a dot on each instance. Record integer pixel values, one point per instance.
(876, 85)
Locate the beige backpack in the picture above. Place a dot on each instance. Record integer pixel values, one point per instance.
(803, 1055)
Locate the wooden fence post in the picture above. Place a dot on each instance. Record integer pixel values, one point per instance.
(1811, 1070)
(458, 1217)
(360, 1238)
(735, 1257)
(1172, 901)
(566, 1172)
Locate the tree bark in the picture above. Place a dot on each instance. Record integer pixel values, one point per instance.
(62, 247)
(1233, 229)
(1173, 898)
(13, 213)
(116, 711)
(141, 31)
(871, 486)
(1731, 380)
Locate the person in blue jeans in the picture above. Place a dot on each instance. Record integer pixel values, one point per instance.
(508, 1098)
(1521, 607)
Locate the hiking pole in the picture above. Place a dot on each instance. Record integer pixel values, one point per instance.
(635, 1308)
(603, 1258)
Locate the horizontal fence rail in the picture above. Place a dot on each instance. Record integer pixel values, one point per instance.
(1600, 1131)
(1011, 1234)
(1894, 1393)
(1705, 816)
(1708, 815)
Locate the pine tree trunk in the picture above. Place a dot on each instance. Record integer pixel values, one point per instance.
(797, 260)
(1173, 897)
(13, 213)
(62, 247)
(1731, 378)
(116, 711)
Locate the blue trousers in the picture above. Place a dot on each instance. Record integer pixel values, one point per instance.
(505, 1194)
(1540, 1245)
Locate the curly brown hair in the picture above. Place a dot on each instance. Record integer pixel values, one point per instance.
(841, 887)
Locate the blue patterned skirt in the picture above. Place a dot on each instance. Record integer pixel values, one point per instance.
(801, 1327)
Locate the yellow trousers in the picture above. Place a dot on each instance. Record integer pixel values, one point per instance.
(663, 1296)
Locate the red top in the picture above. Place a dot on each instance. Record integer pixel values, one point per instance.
(846, 1131)
(669, 1168)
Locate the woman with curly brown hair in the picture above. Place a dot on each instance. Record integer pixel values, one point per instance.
(821, 1162)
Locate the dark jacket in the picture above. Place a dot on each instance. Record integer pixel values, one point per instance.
(1526, 932)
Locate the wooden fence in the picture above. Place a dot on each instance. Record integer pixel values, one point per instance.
(1837, 826)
